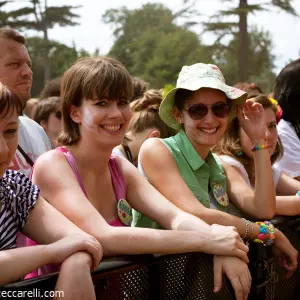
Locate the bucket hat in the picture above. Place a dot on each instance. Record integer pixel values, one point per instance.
(193, 78)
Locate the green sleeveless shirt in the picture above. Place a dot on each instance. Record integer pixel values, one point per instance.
(202, 177)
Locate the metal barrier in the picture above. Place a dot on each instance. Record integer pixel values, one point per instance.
(185, 276)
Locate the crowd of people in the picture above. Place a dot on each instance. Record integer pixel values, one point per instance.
(123, 170)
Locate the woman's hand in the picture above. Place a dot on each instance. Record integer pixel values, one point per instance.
(67, 246)
(253, 120)
(227, 241)
(286, 255)
(237, 272)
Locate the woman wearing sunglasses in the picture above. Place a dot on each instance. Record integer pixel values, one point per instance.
(187, 173)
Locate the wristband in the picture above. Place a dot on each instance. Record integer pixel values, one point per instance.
(266, 228)
(259, 147)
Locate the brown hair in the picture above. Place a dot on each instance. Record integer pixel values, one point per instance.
(139, 88)
(145, 114)
(9, 102)
(252, 89)
(91, 78)
(51, 89)
(11, 34)
(231, 144)
(45, 107)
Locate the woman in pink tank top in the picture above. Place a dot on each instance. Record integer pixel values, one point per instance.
(96, 191)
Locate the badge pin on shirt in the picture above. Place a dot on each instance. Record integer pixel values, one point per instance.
(124, 212)
(220, 194)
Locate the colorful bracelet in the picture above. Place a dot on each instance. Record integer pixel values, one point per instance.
(259, 147)
(266, 228)
(298, 193)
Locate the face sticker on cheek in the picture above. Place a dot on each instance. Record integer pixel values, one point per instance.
(88, 120)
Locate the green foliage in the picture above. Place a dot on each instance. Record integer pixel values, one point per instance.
(62, 57)
(261, 61)
(151, 45)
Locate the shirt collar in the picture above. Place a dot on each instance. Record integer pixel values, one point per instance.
(190, 154)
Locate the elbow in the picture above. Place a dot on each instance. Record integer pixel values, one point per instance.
(264, 214)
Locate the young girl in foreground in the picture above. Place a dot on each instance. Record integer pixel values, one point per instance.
(97, 189)
(236, 149)
(22, 209)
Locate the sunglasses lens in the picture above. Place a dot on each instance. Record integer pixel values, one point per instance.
(58, 114)
(197, 111)
(221, 110)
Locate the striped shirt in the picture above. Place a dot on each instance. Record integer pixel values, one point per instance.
(18, 196)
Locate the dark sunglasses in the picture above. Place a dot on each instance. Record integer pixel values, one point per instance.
(58, 115)
(199, 111)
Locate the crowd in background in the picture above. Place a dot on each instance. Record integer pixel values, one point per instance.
(126, 170)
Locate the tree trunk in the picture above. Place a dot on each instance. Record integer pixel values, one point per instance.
(243, 43)
(47, 73)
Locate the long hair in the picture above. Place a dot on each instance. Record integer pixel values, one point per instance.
(287, 93)
(231, 145)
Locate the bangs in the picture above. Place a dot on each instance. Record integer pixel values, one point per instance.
(108, 80)
(9, 102)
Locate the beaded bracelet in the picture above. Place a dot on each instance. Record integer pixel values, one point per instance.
(265, 229)
(259, 147)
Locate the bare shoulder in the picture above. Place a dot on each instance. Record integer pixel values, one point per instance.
(49, 165)
(154, 148)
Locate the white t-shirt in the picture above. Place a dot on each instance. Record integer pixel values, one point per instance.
(33, 140)
(290, 162)
(235, 163)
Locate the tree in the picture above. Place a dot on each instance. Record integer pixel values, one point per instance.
(61, 58)
(40, 17)
(46, 17)
(240, 28)
(260, 59)
(151, 45)
(14, 18)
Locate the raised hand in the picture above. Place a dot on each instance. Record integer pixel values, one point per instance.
(228, 242)
(253, 121)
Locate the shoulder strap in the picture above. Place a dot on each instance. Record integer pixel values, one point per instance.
(117, 177)
(71, 160)
(27, 158)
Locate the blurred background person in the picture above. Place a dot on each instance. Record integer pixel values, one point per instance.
(287, 93)
(48, 115)
(30, 107)
(139, 88)
(51, 89)
(145, 123)
(251, 89)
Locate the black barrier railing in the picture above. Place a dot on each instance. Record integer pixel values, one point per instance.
(185, 276)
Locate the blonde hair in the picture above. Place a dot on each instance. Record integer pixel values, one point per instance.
(231, 144)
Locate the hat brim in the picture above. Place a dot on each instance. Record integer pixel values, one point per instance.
(166, 109)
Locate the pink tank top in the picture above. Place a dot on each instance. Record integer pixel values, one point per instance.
(119, 185)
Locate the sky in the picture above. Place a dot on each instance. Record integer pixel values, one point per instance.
(92, 33)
